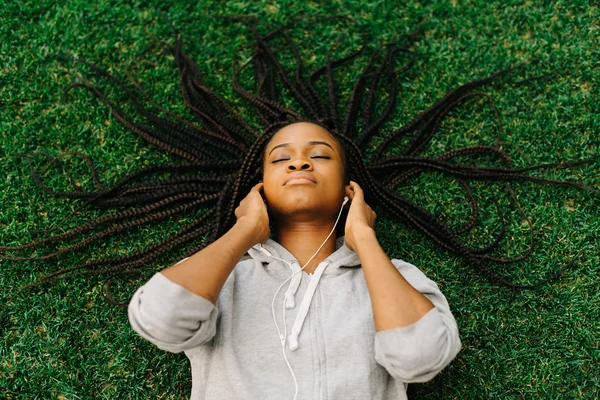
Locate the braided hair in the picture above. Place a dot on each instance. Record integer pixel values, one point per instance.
(222, 153)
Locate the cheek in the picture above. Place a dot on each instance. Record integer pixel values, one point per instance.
(338, 172)
(269, 179)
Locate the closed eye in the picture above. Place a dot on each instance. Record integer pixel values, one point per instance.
(283, 159)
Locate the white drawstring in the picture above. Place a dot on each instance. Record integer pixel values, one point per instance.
(303, 311)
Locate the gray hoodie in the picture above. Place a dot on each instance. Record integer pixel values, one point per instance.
(331, 343)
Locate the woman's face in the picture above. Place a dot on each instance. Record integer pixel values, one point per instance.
(303, 173)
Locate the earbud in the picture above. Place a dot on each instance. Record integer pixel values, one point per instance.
(346, 199)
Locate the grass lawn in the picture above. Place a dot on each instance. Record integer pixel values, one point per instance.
(64, 341)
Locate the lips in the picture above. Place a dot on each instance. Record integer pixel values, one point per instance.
(299, 175)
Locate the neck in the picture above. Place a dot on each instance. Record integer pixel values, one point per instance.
(302, 239)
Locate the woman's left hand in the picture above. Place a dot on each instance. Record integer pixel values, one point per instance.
(361, 217)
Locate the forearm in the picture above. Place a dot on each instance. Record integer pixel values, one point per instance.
(395, 302)
(205, 272)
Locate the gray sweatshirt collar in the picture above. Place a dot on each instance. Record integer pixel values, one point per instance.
(341, 257)
(271, 251)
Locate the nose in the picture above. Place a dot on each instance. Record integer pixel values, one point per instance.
(299, 164)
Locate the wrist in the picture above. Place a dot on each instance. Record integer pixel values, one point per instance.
(363, 237)
(249, 229)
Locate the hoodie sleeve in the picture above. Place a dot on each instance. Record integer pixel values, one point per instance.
(418, 352)
(172, 317)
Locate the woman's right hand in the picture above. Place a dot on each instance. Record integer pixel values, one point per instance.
(253, 212)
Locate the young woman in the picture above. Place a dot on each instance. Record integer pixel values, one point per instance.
(361, 326)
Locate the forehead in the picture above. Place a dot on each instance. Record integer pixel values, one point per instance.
(299, 133)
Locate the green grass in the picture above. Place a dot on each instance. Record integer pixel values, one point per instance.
(66, 342)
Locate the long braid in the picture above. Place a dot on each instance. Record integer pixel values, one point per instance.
(432, 112)
(116, 229)
(114, 217)
(99, 198)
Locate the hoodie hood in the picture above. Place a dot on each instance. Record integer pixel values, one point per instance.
(340, 258)
(271, 251)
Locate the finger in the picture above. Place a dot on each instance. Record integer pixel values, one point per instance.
(357, 189)
(258, 188)
(353, 187)
(349, 193)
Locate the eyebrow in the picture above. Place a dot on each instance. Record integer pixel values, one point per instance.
(311, 143)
